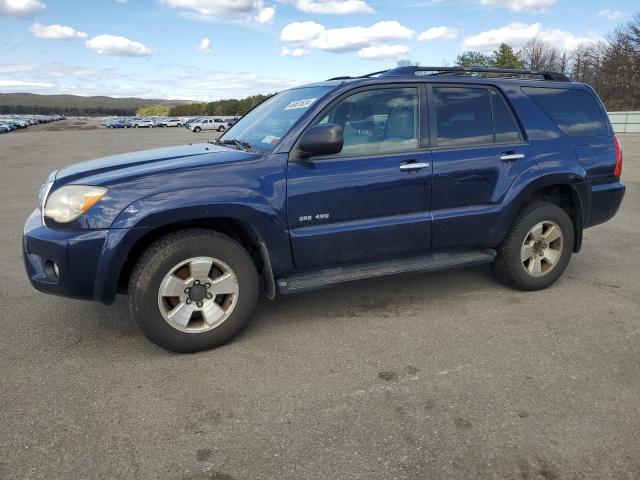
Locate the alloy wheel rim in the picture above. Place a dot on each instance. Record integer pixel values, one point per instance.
(542, 248)
(198, 294)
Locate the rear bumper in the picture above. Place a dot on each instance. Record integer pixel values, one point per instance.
(605, 202)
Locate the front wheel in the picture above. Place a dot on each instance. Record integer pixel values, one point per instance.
(197, 129)
(193, 290)
(537, 248)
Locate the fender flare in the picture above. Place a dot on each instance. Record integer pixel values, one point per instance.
(527, 184)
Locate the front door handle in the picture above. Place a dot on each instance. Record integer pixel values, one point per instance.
(413, 166)
(511, 156)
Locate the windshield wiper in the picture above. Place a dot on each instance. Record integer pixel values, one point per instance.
(238, 144)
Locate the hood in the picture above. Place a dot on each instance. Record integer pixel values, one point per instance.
(106, 170)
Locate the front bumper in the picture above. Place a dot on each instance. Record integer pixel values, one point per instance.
(89, 262)
(76, 254)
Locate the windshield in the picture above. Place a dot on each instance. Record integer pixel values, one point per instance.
(264, 126)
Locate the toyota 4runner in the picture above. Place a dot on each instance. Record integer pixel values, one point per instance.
(411, 169)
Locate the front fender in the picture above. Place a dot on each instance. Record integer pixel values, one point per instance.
(245, 205)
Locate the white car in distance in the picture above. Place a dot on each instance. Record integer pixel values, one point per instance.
(216, 124)
(170, 122)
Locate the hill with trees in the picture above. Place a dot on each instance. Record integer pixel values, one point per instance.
(31, 103)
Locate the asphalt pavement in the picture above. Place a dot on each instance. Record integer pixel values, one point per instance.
(447, 375)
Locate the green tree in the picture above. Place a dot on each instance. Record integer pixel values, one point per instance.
(153, 110)
(473, 59)
(505, 57)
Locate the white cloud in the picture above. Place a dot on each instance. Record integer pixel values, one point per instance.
(205, 46)
(348, 39)
(23, 86)
(611, 14)
(383, 52)
(332, 7)
(121, 1)
(169, 81)
(439, 33)
(517, 34)
(266, 15)
(301, 32)
(118, 46)
(226, 9)
(293, 52)
(55, 32)
(533, 6)
(20, 8)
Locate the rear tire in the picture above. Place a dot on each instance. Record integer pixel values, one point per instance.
(218, 317)
(220, 129)
(537, 249)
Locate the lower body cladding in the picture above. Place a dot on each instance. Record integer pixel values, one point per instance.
(72, 263)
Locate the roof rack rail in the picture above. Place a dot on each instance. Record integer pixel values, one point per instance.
(412, 70)
(347, 77)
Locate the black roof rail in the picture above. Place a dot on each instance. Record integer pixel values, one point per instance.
(412, 70)
(372, 74)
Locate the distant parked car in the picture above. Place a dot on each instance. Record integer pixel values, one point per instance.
(144, 123)
(207, 124)
(170, 122)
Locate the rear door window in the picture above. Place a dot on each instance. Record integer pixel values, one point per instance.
(505, 125)
(575, 112)
(463, 116)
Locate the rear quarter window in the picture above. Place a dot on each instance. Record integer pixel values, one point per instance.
(575, 112)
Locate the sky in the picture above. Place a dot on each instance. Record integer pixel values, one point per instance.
(210, 49)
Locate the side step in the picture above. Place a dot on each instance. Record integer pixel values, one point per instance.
(301, 282)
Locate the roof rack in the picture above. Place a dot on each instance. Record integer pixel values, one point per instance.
(347, 77)
(413, 70)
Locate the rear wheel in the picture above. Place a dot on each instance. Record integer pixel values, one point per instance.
(193, 290)
(221, 129)
(537, 249)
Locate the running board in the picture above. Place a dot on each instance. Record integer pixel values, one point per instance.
(301, 282)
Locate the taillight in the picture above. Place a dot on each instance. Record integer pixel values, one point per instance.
(618, 170)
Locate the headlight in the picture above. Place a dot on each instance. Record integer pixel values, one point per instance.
(71, 201)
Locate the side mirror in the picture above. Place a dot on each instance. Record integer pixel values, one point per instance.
(321, 139)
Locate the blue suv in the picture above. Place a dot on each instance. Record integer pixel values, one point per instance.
(411, 169)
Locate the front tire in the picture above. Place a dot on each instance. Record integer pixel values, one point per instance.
(193, 290)
(537, 249)
(197, 129)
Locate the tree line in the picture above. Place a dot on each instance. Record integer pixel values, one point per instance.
(226, 107)
(67, 111)
(611, 66)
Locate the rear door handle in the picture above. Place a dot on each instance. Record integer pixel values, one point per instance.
(413, 166)
(511, 156)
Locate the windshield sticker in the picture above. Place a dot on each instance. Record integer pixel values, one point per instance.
(271, 139)
(300, 103)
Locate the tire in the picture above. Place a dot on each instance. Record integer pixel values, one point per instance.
(517, 264)
(197, 129)
(150, 309)
(220, 129)
(135, 126)
(179, 125)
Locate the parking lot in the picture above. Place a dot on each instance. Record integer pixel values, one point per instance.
(422, 376)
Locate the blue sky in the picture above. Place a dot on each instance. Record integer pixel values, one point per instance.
(210, 49)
